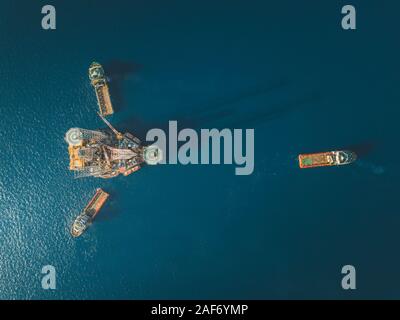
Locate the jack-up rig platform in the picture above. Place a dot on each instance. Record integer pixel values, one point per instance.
(99, 153)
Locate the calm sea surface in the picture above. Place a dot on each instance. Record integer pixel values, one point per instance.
(284, 68)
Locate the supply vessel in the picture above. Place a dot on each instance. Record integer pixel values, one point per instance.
(99, 82)
(331, 158)
(105, 154)
(84, 220)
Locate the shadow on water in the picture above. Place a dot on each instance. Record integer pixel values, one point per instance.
(220, 108)
(363, 150)
(112, 208)
(226, 112)
(117, 72)
(253, 119)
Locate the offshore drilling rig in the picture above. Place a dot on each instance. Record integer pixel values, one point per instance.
(106, 155)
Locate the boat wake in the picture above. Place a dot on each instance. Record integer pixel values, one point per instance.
(371, 167)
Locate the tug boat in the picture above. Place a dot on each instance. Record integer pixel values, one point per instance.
(84, 220)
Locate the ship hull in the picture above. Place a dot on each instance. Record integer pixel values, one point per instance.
(85, 219)
(326, 159)
(99, 82)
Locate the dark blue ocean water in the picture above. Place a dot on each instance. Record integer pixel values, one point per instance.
(284, 68)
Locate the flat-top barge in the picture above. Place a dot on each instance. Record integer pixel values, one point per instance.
(99, 82)
(83, 221)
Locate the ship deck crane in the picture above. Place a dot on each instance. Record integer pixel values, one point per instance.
(117, 133)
